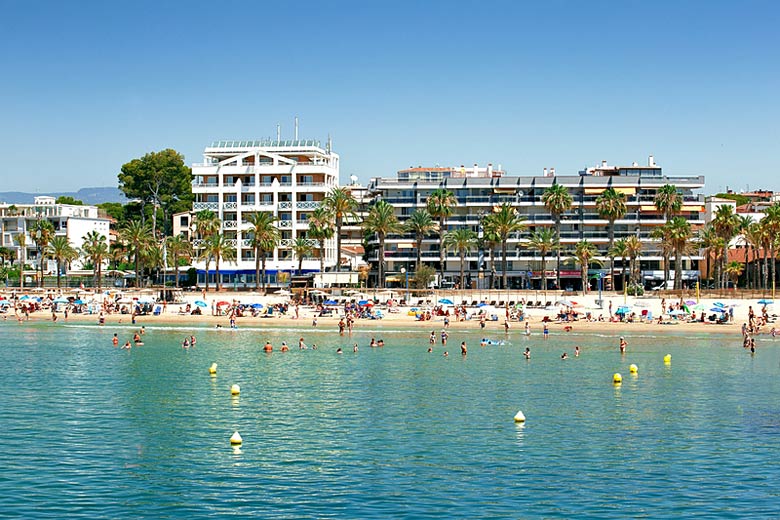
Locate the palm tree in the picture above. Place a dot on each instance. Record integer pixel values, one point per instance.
(668, 201)
(558, 201)
(342, 205)
(726, 223)
(320, 229)
(154, 258)
(634, 249)
(734, 270)
(61, 251)
(611, 205)
(206, 223)
(178, 247)
(42, 232)
(439, 204)
(220, 248)
(21, 242)
(752, 236)
(421, 224)
(711, 245)
(745, 221)
(678, 235)
(771, 222)
(5, 255)
(544, 241)
(381, 221)
(585, 252)
(504, 221)
(461, 240)
(265, 237)
(301, 249)
(619, 248)
(137, 236)
(95, 248)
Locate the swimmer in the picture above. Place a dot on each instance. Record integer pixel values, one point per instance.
(338, 351)
(623, 345)
(268, 347)
(355, 348)
(314, 346)
(446, 353)
(185, 343)
(218, 326)
(284, 348)
(380, 343)
(577, 351)
(373, 343)
(430, 350)
(463, 349)
(192, 341)
(432, 339)
(546, 331)
(115, 340)
(136, 338)
(527, 353)
(143, 330)
(127, 346)
(564, 356)
(483, 342)
(527, 329)
(444, 337)
(301, 344)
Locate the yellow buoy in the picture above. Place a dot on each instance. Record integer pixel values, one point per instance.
(213, 369)
(617, 378)
(633, 368)
(236, 438)
(519, 417)
(235, 390)
(668, 359)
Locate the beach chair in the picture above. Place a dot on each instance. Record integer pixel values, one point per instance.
(501, 303)
(474, 303)
(463, 302)
(419, 302)
(493, 303)
(512, 303)
(157, 310)
(548, 304)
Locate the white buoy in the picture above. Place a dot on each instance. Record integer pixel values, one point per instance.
(235, 390)
(519, 416)
(633, 368)
(236, 438)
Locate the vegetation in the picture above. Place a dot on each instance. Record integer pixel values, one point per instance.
(321, 229)
(585, 252)
(342, 205)
(301, 249)
(136, 237)
(461, 240)
(611, 205)
(381, 221)
(558, 201)
(669, 202)
(619, 249)
(504, 221)
(544, 241)
(421, 224)
(42, 232)
(95, 248)
(62, 252)
(66, 199)
(220, 248)
(439, 204)
(178, 247)
(264, 236)
(423, 276)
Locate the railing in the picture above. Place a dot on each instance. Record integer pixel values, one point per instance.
(302, 222)
(285, 205)
(229, 205)
(284, 223)
(232, 242)
(198, 206)
(229, 224)
(307, 204)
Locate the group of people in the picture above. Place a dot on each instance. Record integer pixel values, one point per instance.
(137, 339)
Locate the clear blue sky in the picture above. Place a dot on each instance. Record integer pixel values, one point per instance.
(88, 86)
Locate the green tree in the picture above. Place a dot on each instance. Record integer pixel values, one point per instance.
(421, 224)
(340, 203)
(611, 206)
(669, 202)
(558, 201)
(504, 221)
(21, 242)
(160, 179)
(42, 232)
(136, 236)
(66, 199)
(439, 204)
(424, 276)
(711, 246)
(62, 252)
(220, 248)
(115, 210)
(634, 249)
(94, 247)
(726, 223)
(771, 222)
(301, 249)
(678, 234)
(321, 229)
(734, 271)
(544, 241)
(178, 247)
(5, 255)
(461, 240)
(619, 249)
(585, 253)
(264, 237)
(381, 221)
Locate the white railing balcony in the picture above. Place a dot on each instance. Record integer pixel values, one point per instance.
(247, 242)
(301, 223)
(285, 205)
(230, 224)
(199, 206)
(286, 242)
(284, 223)
(229, 205)
(232, 242)
(307, 204)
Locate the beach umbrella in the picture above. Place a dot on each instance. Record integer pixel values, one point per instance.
(690, 302)
(482, 304)
(61, 300)
(719, 304)
(699, 307)
(25, 297)
(257, 305)
(363, 302)
(222, 304)
(330, 302)
(623, 309)
(446, 301)
(145, 299)
(765, 302)
(200, 303)
(5, 303)
(717, 309)
(78, 302)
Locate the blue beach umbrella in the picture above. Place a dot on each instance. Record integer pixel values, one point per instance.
(25, 297)
(5, 303)
(257, 305)
(717, 309)
(623, 309)
(78, 302)
(61, 300)
(363, 302)
(483, 304)
(765, 302)
(330, 302)
(201, 303)
(446, 301)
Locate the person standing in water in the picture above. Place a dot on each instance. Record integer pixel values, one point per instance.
(463, 349)
(527, 353)
(623, 345)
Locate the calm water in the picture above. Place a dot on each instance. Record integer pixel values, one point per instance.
(88, 430)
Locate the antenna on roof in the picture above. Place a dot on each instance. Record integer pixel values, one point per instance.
(330, 144)
(278, 132)
(296, 128)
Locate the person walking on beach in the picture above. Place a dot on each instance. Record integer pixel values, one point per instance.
(623, 345)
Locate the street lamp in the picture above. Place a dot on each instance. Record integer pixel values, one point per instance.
(405, 272)
(600, 302)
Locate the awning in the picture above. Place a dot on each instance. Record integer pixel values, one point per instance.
(405, 245)
(598, 191)
(504, 190)
(692, 208)
(392, 279)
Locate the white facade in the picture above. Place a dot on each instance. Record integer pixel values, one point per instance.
(73, 222)
(288, 178)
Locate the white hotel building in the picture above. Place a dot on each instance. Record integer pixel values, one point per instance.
(288, 178)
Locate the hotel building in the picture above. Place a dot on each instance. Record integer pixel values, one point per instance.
(479, 190)
(287, 178)
(71, 221)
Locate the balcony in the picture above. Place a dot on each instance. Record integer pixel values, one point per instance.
(285, 205)
(229, 205)
(229, 224)
(199, 206)
(284, 223)
(307, 204)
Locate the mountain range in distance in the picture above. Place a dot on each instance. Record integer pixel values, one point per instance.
(89, 196)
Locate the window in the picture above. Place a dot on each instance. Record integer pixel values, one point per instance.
(184, 221)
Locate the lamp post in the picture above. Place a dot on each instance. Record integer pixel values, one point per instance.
(600, 302)
(406, 273)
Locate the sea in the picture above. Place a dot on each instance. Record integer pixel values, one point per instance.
(89, 430)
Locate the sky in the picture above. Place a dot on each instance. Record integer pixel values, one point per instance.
(87, 86)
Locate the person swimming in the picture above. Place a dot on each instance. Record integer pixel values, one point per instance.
(373, 343)
(268, 347)
(527, 353)
(430, 349)
(463, 349)
(284, 348)
(355, 348)
(192, 341)
(380, 343)
(185, 343)
(339, 351)
(127, 346)
(115, 340)
(564, 356)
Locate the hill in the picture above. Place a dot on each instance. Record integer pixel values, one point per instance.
(90, 196)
